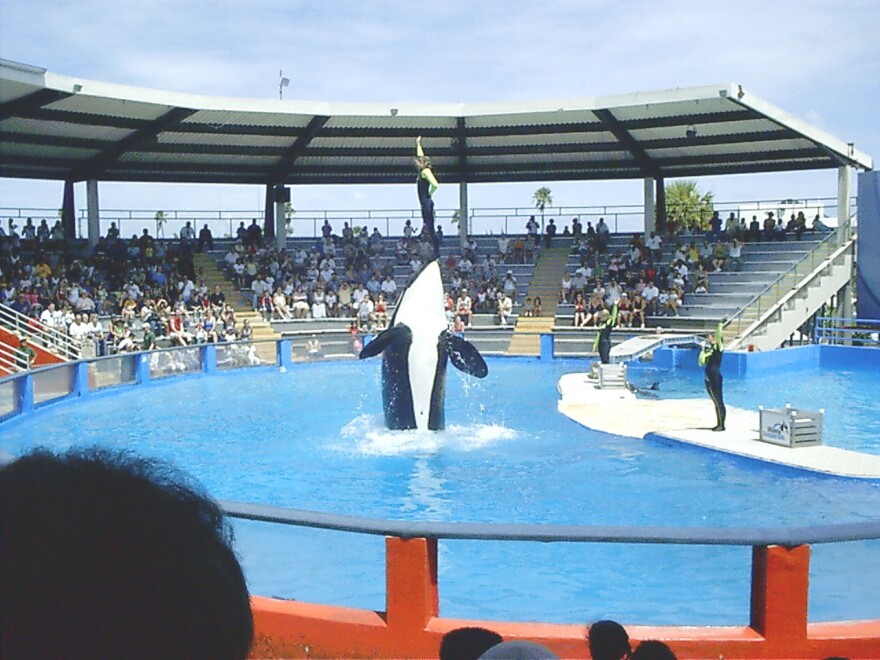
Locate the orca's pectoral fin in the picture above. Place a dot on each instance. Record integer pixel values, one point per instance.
(465, 357)
(383, 340)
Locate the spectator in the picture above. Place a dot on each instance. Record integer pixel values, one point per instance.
(652, 650)
(549, 232)
(608, 640)
(108, 555)
(467, 643)
(505, 308)
(519, 650)
(206, 239)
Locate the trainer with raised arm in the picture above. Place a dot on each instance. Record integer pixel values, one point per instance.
(427, 183)
(603, 336)
(710, 357)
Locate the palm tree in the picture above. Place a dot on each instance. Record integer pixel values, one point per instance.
(542, 198)
(685, 204)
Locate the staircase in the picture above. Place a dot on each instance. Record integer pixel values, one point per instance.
(780, 311)
(545, 284)
(206, 268)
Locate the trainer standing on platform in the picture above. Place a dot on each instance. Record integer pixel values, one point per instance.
(710, 357)
(603, 336)
(427, 184)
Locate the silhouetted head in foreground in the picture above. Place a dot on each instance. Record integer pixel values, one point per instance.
(608, 641)
(109, 555)
(518, 649)
(652, 649)
(467, 643)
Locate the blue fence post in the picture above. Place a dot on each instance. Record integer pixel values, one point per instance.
(209, 358)
(284, 348)
(81, 378)
(142, 368)
(547, 346)
(25, 393)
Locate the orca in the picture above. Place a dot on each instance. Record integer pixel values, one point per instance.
(415, 349)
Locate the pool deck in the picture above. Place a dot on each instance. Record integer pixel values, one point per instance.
(620, 412)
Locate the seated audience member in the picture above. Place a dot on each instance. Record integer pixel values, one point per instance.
(608, 640)
(467, 643)
(652, 650)
(107, 555)
(536, 306)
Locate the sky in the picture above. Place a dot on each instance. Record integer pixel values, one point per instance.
(815, 59)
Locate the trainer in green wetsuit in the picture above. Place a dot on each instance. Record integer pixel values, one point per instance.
(427, 184)
(710, 357)
(603, 337)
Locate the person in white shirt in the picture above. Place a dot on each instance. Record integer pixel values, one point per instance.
(389, 288)
(650, 294)
(47, 318)
(505, 308)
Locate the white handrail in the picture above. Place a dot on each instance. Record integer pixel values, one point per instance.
(51, 339)
(792, 293)
(9, 359)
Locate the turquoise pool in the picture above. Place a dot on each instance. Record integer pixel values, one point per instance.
(312, 438)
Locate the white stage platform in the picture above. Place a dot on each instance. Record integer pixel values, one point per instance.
(620, 412)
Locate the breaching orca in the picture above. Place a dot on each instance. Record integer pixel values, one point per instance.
(415, 348)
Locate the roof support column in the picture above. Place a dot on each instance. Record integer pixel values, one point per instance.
(844, 194)
(68, 211)
(94, 216)
(649, 206)
(463, 228)
(661, 204)
(282, 196)
(269, 220)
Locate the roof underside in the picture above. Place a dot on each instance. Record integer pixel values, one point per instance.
(54, 127)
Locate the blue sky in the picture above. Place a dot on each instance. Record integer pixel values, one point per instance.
(816, 59)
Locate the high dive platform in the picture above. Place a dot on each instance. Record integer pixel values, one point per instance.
(621, 412)
(636, 347)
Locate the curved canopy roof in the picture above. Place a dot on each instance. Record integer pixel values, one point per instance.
(58, 127)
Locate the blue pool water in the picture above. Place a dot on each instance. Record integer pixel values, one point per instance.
(313, 438)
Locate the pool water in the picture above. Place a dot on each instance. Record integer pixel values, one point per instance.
(313, 438)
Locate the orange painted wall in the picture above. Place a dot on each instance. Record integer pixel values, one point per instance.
(411, 627)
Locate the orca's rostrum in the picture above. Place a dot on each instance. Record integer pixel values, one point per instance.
(415, 349)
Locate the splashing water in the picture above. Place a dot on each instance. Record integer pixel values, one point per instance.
(366, 434)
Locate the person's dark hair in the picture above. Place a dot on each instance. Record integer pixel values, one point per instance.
(652, 649)
(105, 554)
(467, 643)
(608, 641)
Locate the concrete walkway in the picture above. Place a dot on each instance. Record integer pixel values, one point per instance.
(620, 412)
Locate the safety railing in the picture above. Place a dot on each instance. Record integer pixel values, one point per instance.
(11, 359)
(620, 218)
(847, 332)
(742, 322)
(52, 339)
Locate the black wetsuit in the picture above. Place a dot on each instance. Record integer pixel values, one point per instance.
(603, 339)
(605, 343)
(715, 382)
(427, 204)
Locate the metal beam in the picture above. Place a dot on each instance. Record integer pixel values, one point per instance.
(630, 144)
(97, 165)
(295, 150)
(460, 146)
(26, 105)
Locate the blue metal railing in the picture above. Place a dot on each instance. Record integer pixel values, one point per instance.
(847, 332)
(740, 536)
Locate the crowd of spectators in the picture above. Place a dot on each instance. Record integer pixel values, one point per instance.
(653, 277)
(148, 288)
